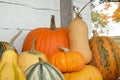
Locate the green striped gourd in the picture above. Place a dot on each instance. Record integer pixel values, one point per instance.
(106, 56)
(43, 71)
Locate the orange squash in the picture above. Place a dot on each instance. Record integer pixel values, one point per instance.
(78, 37)
(106, 56)
(68, 61)
(89, 72)
(47, 39)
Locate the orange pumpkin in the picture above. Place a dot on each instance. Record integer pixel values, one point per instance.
(47, 39)
(68, 61)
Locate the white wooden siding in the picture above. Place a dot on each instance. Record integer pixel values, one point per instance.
(30, 14)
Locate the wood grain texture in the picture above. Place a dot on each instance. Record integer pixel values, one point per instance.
(66, 12)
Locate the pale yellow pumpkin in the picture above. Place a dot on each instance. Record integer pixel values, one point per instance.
(89, 72)
(27, 58)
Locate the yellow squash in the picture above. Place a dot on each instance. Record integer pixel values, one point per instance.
(9, 68)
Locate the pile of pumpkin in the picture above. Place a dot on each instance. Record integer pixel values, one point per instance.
(61, 54)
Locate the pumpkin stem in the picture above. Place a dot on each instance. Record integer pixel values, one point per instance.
(40, 59)
(11, 43)
(95, 34)
(52, 24)
(64, 49)
(77, 13)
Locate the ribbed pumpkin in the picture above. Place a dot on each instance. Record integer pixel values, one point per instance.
(47, 39)
(68, 61)
(9, 67)
(30, 57)
(43, 71)
(89, 72)
(106, 56)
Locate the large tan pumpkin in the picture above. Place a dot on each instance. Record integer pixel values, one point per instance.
(89, 72)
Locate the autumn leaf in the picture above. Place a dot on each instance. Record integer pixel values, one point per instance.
(116, 15)
(104, 19)
(95, 16)
(107, 6)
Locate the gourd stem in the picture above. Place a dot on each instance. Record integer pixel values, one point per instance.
(95, 34)
(52, 24)
(84, 6)
(64, 49)
(11, 43)
(77, 13)
(32, 46)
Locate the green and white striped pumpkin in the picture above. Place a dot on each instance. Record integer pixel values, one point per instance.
(43, 71)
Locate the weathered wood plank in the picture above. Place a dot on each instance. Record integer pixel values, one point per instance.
(66, 14)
